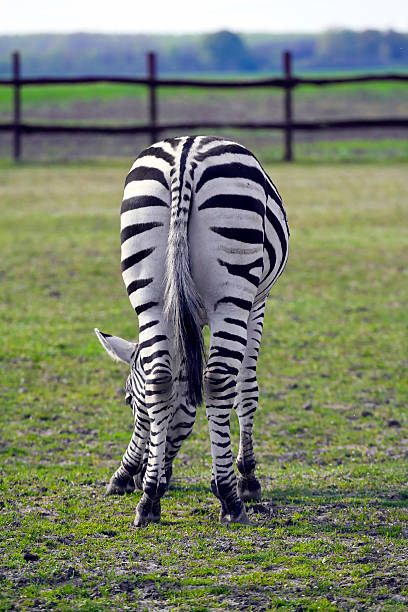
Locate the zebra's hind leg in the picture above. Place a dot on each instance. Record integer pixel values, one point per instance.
(246, 403)
(180, 426)
(220, 377)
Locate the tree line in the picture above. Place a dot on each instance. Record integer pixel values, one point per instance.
(224, 51)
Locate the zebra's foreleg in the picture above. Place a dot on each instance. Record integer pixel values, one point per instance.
(220, 378)
(132, 461)
(180, 426)
(158, 391)
(246, 403)
(179, 429)
(138, 478)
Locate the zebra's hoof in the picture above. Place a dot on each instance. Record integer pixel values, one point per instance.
(130, 486)
(147, 512)
(240, 519)
(233, 511)
(249, 489)
(119, 487)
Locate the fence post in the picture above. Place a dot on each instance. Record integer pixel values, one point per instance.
(287, 68)
(16, 106)
(151, 70)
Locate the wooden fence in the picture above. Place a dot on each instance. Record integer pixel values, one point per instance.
(288, 83)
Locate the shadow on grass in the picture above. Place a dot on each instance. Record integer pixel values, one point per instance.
(315, 511)
(374, 497)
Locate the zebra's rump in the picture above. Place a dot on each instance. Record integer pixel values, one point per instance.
(231, 210)
(203, 229)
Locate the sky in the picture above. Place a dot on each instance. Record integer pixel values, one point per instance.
(189, 16)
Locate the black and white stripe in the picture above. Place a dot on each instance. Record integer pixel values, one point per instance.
(204, 238)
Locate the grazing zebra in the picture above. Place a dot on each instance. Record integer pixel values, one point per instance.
(204, 237)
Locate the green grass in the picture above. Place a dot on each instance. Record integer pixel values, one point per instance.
(64, 95)
(352, 151)
(331, 430)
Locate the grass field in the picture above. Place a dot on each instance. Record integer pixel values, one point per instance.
(331, 431)
(33, 96)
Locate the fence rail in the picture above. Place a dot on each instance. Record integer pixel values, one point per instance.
(288, 83)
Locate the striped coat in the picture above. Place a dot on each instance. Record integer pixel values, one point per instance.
(204, 238)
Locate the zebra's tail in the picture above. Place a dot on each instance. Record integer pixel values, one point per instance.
(182, 303)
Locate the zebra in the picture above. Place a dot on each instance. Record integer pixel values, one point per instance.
(204, 237)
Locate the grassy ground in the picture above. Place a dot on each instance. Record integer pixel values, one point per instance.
(62, 95)
(331, 431)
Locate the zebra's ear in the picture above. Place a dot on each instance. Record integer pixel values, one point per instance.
(117, 348)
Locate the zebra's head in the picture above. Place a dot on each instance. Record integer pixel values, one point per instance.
(127, 352)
